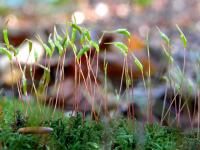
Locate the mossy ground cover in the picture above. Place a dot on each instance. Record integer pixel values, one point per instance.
(76, 132)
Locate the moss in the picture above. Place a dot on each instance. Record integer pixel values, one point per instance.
(75, 133)
(31, 113)
(15, 141)
(124, 137)
(161, 138)
(190, 142)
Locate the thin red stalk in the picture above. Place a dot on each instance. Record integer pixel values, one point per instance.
(59, 83)
(163, 109)
(149, 83)
(198, 113)
(174, 99)
(75, 84)
(63, 73)
(122, 77)
(90, 83)
(180, 100)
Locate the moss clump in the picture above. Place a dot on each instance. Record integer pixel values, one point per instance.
(123, 135)
(161, 138)
(15, 141)
(76, 133)
(190, 142)
(15, 113)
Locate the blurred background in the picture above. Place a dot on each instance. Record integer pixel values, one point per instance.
(27, 18)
